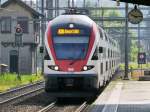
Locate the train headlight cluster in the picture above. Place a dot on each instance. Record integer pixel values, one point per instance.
(89, 67)
(85, 68)
(54, 67)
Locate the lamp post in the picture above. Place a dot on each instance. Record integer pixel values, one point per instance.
(42, 34)
(126, 43)
(84, 3)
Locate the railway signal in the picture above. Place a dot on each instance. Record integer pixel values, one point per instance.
(18, 43)
(18, 35)
(41, 49)
(18, 30)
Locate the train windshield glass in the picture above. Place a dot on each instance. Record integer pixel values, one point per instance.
(70, 47)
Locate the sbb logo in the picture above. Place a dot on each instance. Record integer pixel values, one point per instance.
(142, 58)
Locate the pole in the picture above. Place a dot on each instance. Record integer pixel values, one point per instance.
(18, 76)
(36, 61)
(102, 17)
(84, 3)
(37, 4)
(139, 44)
(126, 43)
(55, 8)
(68, 3)
(42, 34)
(72, 3)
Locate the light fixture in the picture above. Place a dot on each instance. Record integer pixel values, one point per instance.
(71, 25)
(85, 68)
(56, 68)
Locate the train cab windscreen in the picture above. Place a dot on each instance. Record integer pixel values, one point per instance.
(71, 44)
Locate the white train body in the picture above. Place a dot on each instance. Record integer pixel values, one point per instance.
(80, 56)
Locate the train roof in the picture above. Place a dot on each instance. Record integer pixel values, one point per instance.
(109, 38)
(77, 19)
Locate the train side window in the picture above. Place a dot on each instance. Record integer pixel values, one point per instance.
(101, 68)
(95, 55)
(106, 65)
(106, 37)
(46, 55)
(101, 34)
(100, 49)
(108, 53)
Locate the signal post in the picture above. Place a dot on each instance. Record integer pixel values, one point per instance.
(18, 43)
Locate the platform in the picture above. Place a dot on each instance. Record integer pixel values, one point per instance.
(124, 96)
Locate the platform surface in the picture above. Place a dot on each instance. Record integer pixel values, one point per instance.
(124, 96)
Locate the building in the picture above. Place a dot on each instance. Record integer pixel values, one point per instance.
(31, 3)
(17, 12)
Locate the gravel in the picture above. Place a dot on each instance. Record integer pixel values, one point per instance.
(19, 92)
(29, 105)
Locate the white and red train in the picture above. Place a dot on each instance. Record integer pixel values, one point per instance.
(80, 56)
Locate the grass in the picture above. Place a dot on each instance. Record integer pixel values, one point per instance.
(135, 66)
(136, 72)
(8, 80)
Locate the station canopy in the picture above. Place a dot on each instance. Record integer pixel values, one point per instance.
(139, 2)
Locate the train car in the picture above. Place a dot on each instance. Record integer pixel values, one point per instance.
(79, 55)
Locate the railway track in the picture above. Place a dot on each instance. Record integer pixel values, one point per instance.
(18, 93)
(53, 107)
(33, 99)
(82, 107)
(47, 108)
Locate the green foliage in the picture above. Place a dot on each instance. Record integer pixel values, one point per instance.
(8, 80)
(135, 66)
(134, 47)
(134, 51)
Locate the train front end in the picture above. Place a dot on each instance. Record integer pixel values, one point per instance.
(70, 44)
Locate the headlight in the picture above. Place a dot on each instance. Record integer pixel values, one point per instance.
(53, 67)
(85, 68)
(89, 67)
(56, 68)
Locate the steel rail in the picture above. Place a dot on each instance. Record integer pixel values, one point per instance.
(82, 107)
(21, 88)
(20, 96)
(50, 106)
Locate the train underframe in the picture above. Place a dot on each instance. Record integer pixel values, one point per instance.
(67, 83)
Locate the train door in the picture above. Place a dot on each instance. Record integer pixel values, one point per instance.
(13, 61)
